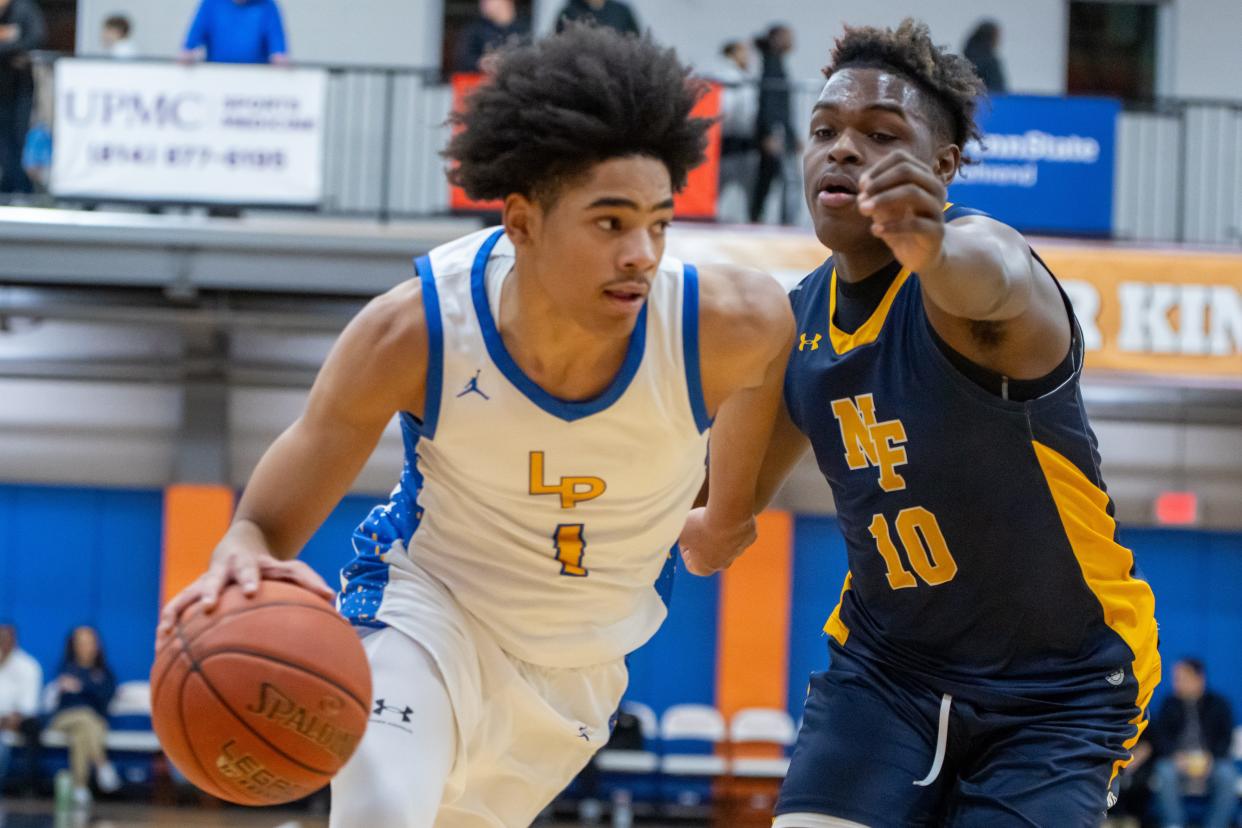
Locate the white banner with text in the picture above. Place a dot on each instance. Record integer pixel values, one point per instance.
(196, 134)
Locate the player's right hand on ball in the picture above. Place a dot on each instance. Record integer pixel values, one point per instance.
(240, 563)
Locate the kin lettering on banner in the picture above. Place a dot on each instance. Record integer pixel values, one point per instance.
(1046, 164)
(207, 134)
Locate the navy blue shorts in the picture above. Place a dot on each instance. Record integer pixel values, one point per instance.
(881, 748)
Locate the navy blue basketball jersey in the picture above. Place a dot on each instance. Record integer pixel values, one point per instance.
(981, 540)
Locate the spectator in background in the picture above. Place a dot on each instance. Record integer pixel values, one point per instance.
(22, 30)
(739, 105)
(86, 686)
(611, 13)
(981, 50)
(237, 31)
(497, 24)
(774, 131)
(116, 40)
(1190, 741)
(21, 682)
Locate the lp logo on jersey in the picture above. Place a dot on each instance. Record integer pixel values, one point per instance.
(869, 444)
(572, 490)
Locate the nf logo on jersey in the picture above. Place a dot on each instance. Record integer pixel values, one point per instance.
(812, 343)
(869, 444)
(572, 490)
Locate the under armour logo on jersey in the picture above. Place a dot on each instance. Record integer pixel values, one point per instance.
(584, 733)
(404, 712)
(869, 444)
(472, 387)
(812, 343)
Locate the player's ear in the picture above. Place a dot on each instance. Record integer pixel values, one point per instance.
(948, 161)
(521, 218)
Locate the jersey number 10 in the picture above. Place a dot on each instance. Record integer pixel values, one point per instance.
(925, 547)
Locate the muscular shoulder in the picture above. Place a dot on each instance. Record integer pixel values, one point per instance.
(384, 349)
(744, 317)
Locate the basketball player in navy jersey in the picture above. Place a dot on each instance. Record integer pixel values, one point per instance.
(555, 379)
(993, 653)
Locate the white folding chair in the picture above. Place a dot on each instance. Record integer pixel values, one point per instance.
(693, 723)
(633, 761)
(761, 726)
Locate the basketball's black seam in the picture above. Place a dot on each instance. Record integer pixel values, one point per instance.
(210, 687)
(255, 608)
(186, 642)
(365, 706)
(259, 735)
(185, 731)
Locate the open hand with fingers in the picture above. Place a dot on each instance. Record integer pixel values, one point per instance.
(904, 198)
(241, 560)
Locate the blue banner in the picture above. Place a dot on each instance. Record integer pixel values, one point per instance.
(1046, 164)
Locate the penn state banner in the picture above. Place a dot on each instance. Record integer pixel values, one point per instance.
(199, 134)
(1045, 165)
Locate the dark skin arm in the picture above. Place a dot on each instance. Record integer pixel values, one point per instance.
(310, 467)
(972, 270)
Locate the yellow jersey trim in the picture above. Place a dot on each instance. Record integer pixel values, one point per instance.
(869, 331)
(1128, 603)
(835, 627)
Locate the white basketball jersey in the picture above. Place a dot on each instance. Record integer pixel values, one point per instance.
(549, 521)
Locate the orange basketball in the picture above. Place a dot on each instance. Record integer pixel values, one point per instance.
(263, 700)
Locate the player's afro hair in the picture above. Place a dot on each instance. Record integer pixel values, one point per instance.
(553, 108)
(949, 81)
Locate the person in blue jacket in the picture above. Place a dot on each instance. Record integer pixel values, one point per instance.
(237, 31)
(85, 684)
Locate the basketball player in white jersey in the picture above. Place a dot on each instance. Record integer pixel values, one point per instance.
(555, 379)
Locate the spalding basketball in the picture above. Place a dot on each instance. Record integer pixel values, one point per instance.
(264, 699)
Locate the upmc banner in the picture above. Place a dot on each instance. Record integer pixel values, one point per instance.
(1046, 164)
(205, 133)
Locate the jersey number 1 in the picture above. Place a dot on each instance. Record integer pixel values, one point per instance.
(570, 547)
(925, 547)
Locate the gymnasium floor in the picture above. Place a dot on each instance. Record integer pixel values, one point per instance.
(40, 814)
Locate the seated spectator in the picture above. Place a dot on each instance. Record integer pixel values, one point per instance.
(116, 39)
(21, 681)
(611, 13)
(237, 31)
(1190, 740)
(497, 24)
(86, 685)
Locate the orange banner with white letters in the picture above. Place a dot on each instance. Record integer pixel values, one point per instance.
(697, 200)
(1170, 313)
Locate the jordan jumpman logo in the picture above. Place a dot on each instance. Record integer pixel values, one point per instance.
(472, 387)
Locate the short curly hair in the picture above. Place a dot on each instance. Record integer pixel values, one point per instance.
(553, 108)
(948, 80)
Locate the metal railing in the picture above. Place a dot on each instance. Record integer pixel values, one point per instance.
(1178, 168)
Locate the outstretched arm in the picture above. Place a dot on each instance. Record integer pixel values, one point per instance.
(377, 368)
(746, 333)
(974, 269)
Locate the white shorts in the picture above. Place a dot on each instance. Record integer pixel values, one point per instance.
(522, 731)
